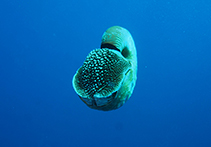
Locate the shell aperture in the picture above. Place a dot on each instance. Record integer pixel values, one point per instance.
(107, 77)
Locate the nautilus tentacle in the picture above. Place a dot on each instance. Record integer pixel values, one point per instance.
(107, 77)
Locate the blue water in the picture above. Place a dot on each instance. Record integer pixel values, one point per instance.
(44, 42)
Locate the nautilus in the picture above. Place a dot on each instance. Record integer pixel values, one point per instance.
(107, 78)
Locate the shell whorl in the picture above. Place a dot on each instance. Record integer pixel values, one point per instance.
(120, 38)
(107, 77)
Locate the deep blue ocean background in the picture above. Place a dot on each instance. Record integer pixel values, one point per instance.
(44, 42)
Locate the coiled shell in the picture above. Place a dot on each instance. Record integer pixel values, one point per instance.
(107, 77)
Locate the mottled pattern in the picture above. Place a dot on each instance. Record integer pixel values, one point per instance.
(102, 72)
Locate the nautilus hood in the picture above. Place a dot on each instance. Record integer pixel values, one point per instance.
(107, 77)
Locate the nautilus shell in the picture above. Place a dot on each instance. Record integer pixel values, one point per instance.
(107, 77)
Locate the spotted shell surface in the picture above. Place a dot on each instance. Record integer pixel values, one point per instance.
(107, 77)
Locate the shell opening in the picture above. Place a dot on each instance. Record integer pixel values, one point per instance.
(125, 52)
(109, 46)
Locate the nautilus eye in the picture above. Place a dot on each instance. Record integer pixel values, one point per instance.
(108, 75)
